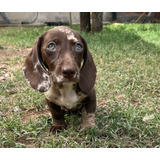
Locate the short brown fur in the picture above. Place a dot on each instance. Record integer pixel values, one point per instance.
(61, 66)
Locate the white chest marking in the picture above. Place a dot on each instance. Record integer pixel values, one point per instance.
(65, 96)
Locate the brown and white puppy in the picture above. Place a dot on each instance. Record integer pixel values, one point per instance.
(61, 66)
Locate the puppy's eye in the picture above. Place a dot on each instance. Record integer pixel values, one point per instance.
(52, 46)
(78, 47)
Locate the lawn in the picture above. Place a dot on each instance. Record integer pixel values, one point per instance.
(127, 57)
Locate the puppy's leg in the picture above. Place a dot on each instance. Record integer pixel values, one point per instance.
(88, 111)
(57, 115)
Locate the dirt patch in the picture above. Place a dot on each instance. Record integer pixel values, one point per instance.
(5, 67)
(17, 66)
(22, 52)
(33, 114)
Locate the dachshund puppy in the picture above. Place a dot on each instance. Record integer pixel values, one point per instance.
(61, 66)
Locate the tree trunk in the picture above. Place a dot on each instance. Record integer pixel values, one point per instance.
(70, 19)
(97, 21)
(85, 24)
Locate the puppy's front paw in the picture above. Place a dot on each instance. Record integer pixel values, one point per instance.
(86, 126)
(88, 120)
(56, 127)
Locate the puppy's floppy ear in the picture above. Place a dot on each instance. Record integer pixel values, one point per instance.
(34, 69)
(88, 71)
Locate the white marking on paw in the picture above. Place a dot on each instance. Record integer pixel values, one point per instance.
(88, 119)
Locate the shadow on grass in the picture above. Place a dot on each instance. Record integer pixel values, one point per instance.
(1, 47)
(124, 39)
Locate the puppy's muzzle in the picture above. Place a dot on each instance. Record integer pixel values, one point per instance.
(69, 72)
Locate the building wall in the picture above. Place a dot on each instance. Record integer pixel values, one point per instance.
(18, 17)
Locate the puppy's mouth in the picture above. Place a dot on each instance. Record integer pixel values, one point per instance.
(62, 78)
(65, 74)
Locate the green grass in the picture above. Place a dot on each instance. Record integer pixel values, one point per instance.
(127, 86)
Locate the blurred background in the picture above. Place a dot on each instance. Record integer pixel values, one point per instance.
(65, 18)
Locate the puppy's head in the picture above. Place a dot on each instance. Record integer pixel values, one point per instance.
(60, 55)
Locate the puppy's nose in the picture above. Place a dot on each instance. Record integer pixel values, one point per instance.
(68, 72)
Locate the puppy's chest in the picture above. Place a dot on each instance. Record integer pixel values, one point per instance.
(65, 96)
